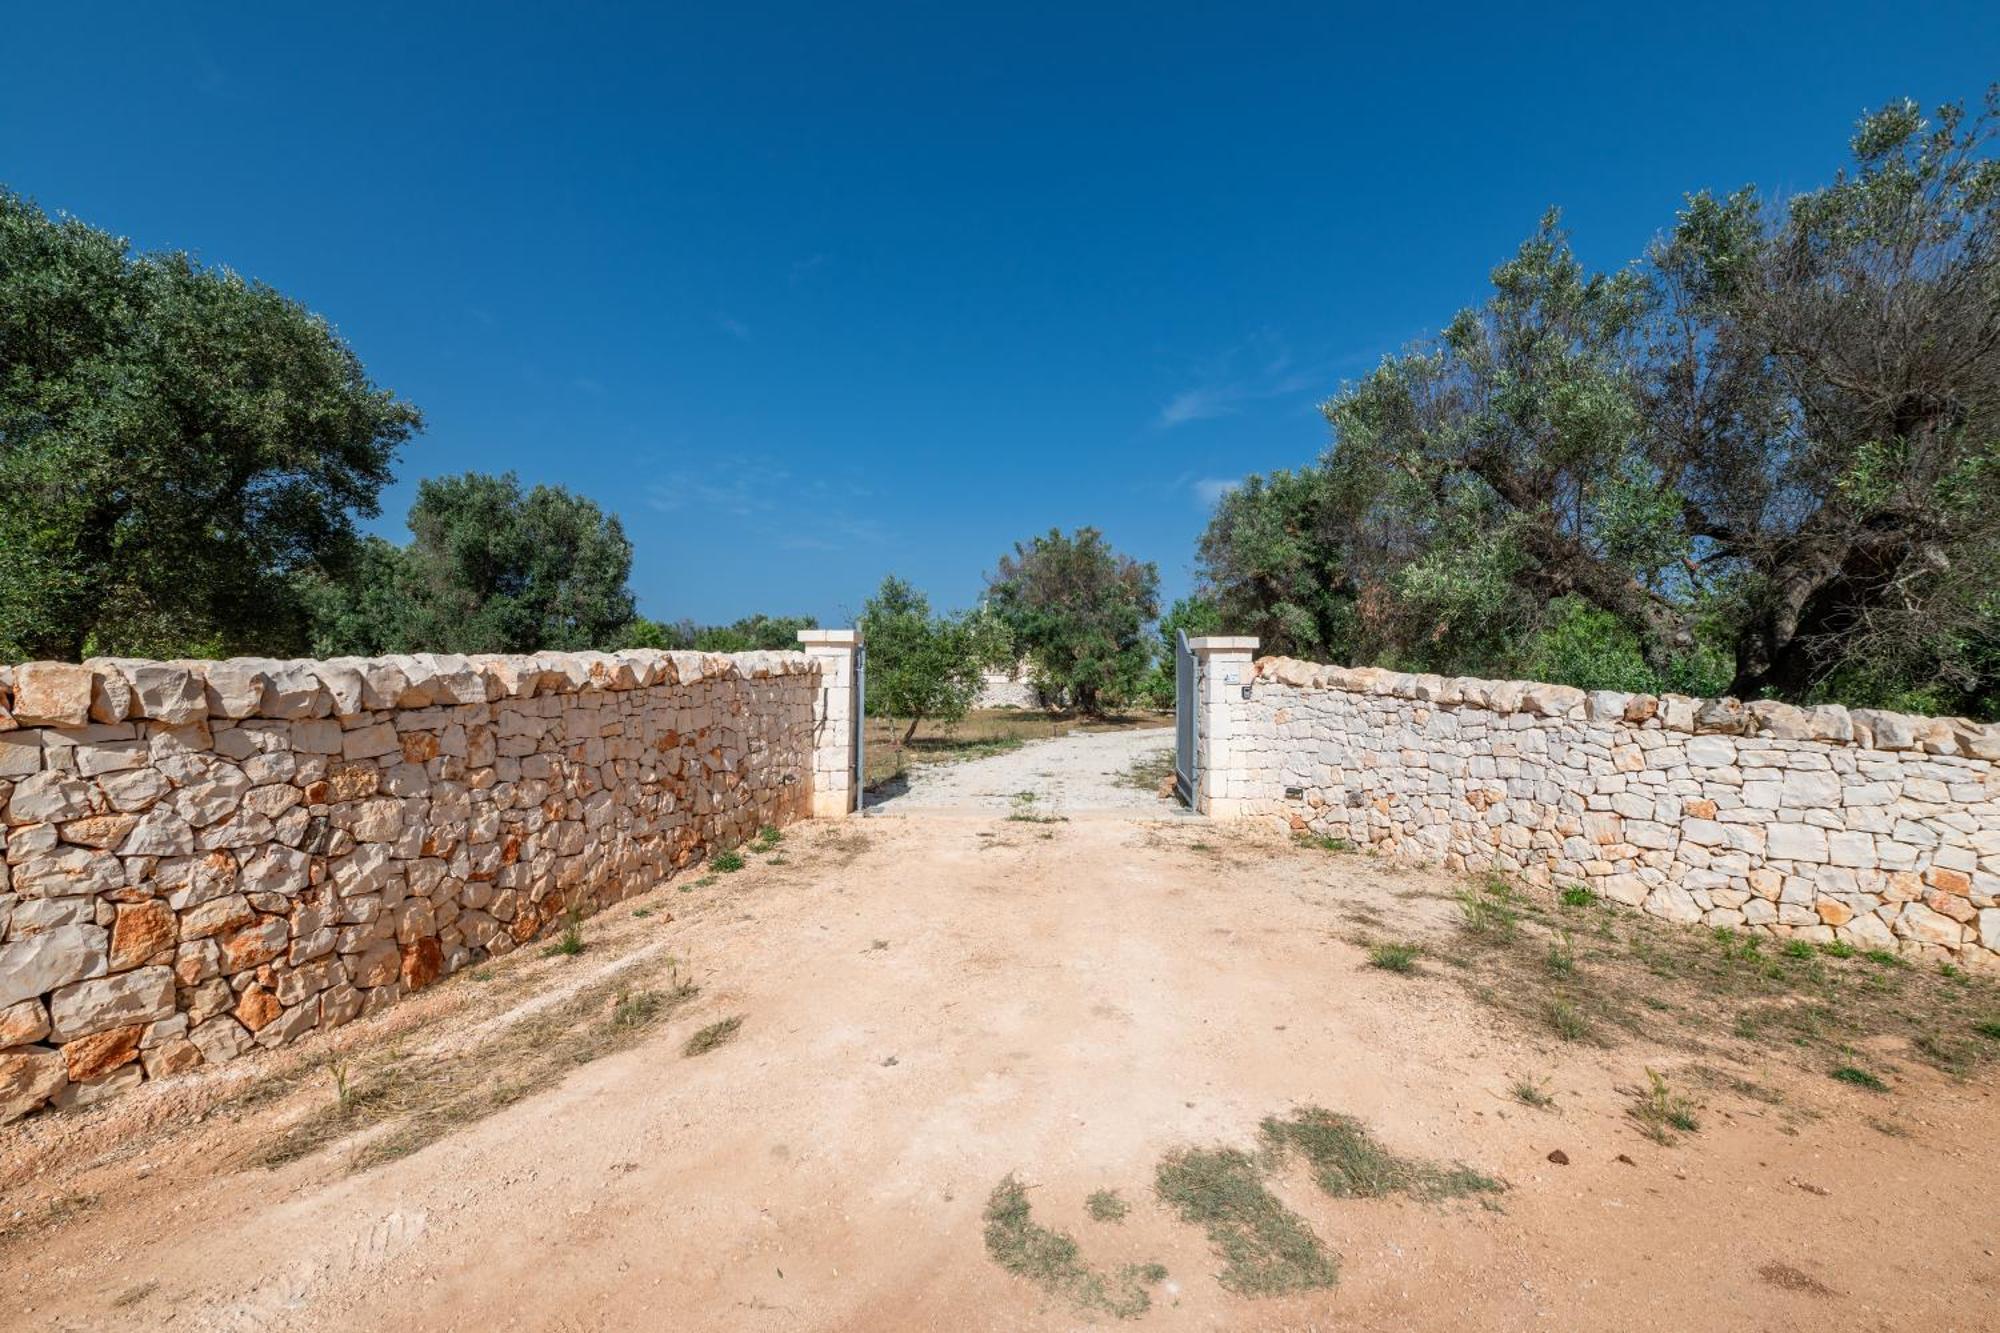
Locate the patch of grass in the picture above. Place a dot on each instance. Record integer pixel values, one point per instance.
(1884, 958)
(482, 974)
(1150, 772)
(633, 1011)
(1562, 955)
(1266, 1248)
(1348, 1163)
(716, 1034)
(1953, 1054)
(1322, 842)
(409, 1101)
(641, 913)
(1798, 949)
(1738, 948)
(1486, 916)
(767, 839)
(570, 943)
(1394, 957)
(1858, 1077)
(1837, 949)
(1051, 1261)
(1532, 1094)
(726, 862)
(1201, 846)
(1576, 895)
(1988, 1028)
(55, 1214)
(1661, 1111)
(1106, 1206)
(1566, 1020)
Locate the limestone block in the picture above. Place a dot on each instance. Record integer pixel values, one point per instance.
(165, 692)
(84, 1007)
(52, 694)
(29, 1077)
(1796, 842)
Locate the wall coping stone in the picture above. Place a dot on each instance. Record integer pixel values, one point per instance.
(110, 690)
(1866, 728)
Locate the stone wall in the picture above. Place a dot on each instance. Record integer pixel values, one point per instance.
(1012, 687)
(1875, 828)
(203, 858)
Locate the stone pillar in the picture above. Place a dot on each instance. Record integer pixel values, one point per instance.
(835, 713)
(1222, 679)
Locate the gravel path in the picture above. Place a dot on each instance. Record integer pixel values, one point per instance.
(1072, 774)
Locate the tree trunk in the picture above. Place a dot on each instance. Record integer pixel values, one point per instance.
(911, 732)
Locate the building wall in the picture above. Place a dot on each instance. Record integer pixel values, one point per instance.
(1876, 828)
(204, 858)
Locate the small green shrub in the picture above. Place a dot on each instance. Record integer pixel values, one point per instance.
(1530, 1093)
(1566, 1020)
(1106, 1206)
(1660, 1110)
(1485, 916)
(1859, 1078)
(570, 943)
(1576, 896)
(1394, 957)
(727, 862)
(714, 1035)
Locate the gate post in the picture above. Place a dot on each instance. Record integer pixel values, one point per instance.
(837, 720)
(1222, 679)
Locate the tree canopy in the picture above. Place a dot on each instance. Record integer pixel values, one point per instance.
(922, 665)
(1079, 609)
(176, 443)
(1765, 460)
(490, 569)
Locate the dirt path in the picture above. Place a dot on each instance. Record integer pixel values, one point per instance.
(1084, 772)
(929, 1005)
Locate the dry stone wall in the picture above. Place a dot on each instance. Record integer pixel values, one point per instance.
(1875, 828)
(203, 858)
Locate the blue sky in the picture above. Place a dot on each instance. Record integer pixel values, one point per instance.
(807, 294)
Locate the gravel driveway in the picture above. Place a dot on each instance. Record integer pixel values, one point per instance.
(1078, 773)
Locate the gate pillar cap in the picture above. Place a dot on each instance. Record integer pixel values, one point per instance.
(831, 638)
(1223, 643)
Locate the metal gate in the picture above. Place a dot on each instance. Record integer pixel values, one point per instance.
(1184, 719)
(860, 726)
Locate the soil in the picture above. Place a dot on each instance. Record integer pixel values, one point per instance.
(930, 1004)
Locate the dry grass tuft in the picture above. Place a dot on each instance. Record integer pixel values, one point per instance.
(405, 1103)
(1051, 1261)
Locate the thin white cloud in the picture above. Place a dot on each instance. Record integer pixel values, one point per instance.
(735, 328)
(1210, 490)
(1198, 405)
(1257, 370)
(768, 503)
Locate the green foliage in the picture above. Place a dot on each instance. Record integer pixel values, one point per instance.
(1348, 1163)
(1196, 615)
(922, 665)
(1765, 461)
(1079, 609)
(1274, 564)
(1860, 1078)
(176, 443)
(1394, 957)
(490, 569)
(1050, 1258)
(1266, 1248)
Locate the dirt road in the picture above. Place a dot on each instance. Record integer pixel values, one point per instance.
(1083, 772)
(930, 1005)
